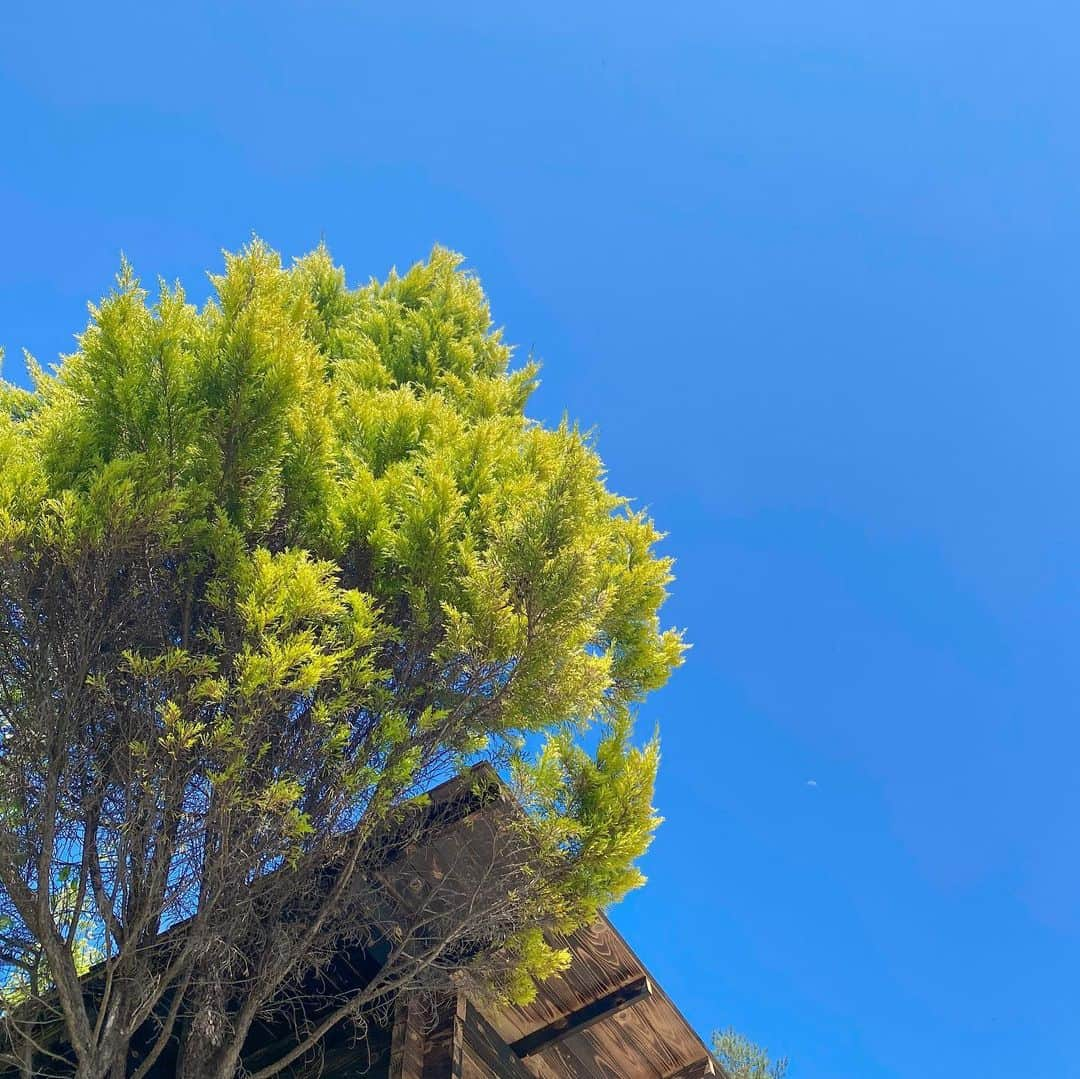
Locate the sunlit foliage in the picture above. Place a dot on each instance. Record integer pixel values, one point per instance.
(269, 568)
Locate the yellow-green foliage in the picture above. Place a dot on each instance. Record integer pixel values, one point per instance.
(360, 521)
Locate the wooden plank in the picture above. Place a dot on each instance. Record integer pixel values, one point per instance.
(649, 1033)
(472, 1067)
(600, 1057)
(474, 1033)
(440, 1048)
(582, 1018)
(559, 1062)
(601, 962)
(406, 1042)
(649, 1041)
(700, 1069)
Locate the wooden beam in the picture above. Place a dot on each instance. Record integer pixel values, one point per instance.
(700, 1069)
(406, 1041)
(602, 1008)
(473, 1033)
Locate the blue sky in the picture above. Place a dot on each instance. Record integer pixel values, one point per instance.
(810, 272)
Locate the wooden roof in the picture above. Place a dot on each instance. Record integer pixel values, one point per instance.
(605, 1017)
(648, 1039)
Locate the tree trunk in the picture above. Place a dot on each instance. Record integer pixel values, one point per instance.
(205, 1036)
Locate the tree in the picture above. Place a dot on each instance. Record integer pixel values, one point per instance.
(268, 570)
(26, 978)
(742, 1059)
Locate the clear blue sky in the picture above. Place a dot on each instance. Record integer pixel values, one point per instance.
(810, 269)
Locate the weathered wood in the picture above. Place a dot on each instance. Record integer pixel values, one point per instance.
(439, 1051)
(644, 1038)
(473, 1033)
(572, 1030)
(406, 1042)
(599, 965)
(700, 1069)
(649, 1041)
(582, 1018)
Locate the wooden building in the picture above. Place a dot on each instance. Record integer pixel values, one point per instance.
(605, 1017)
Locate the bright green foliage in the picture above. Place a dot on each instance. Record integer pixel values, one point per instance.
(349, 561)
(742, 1059)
